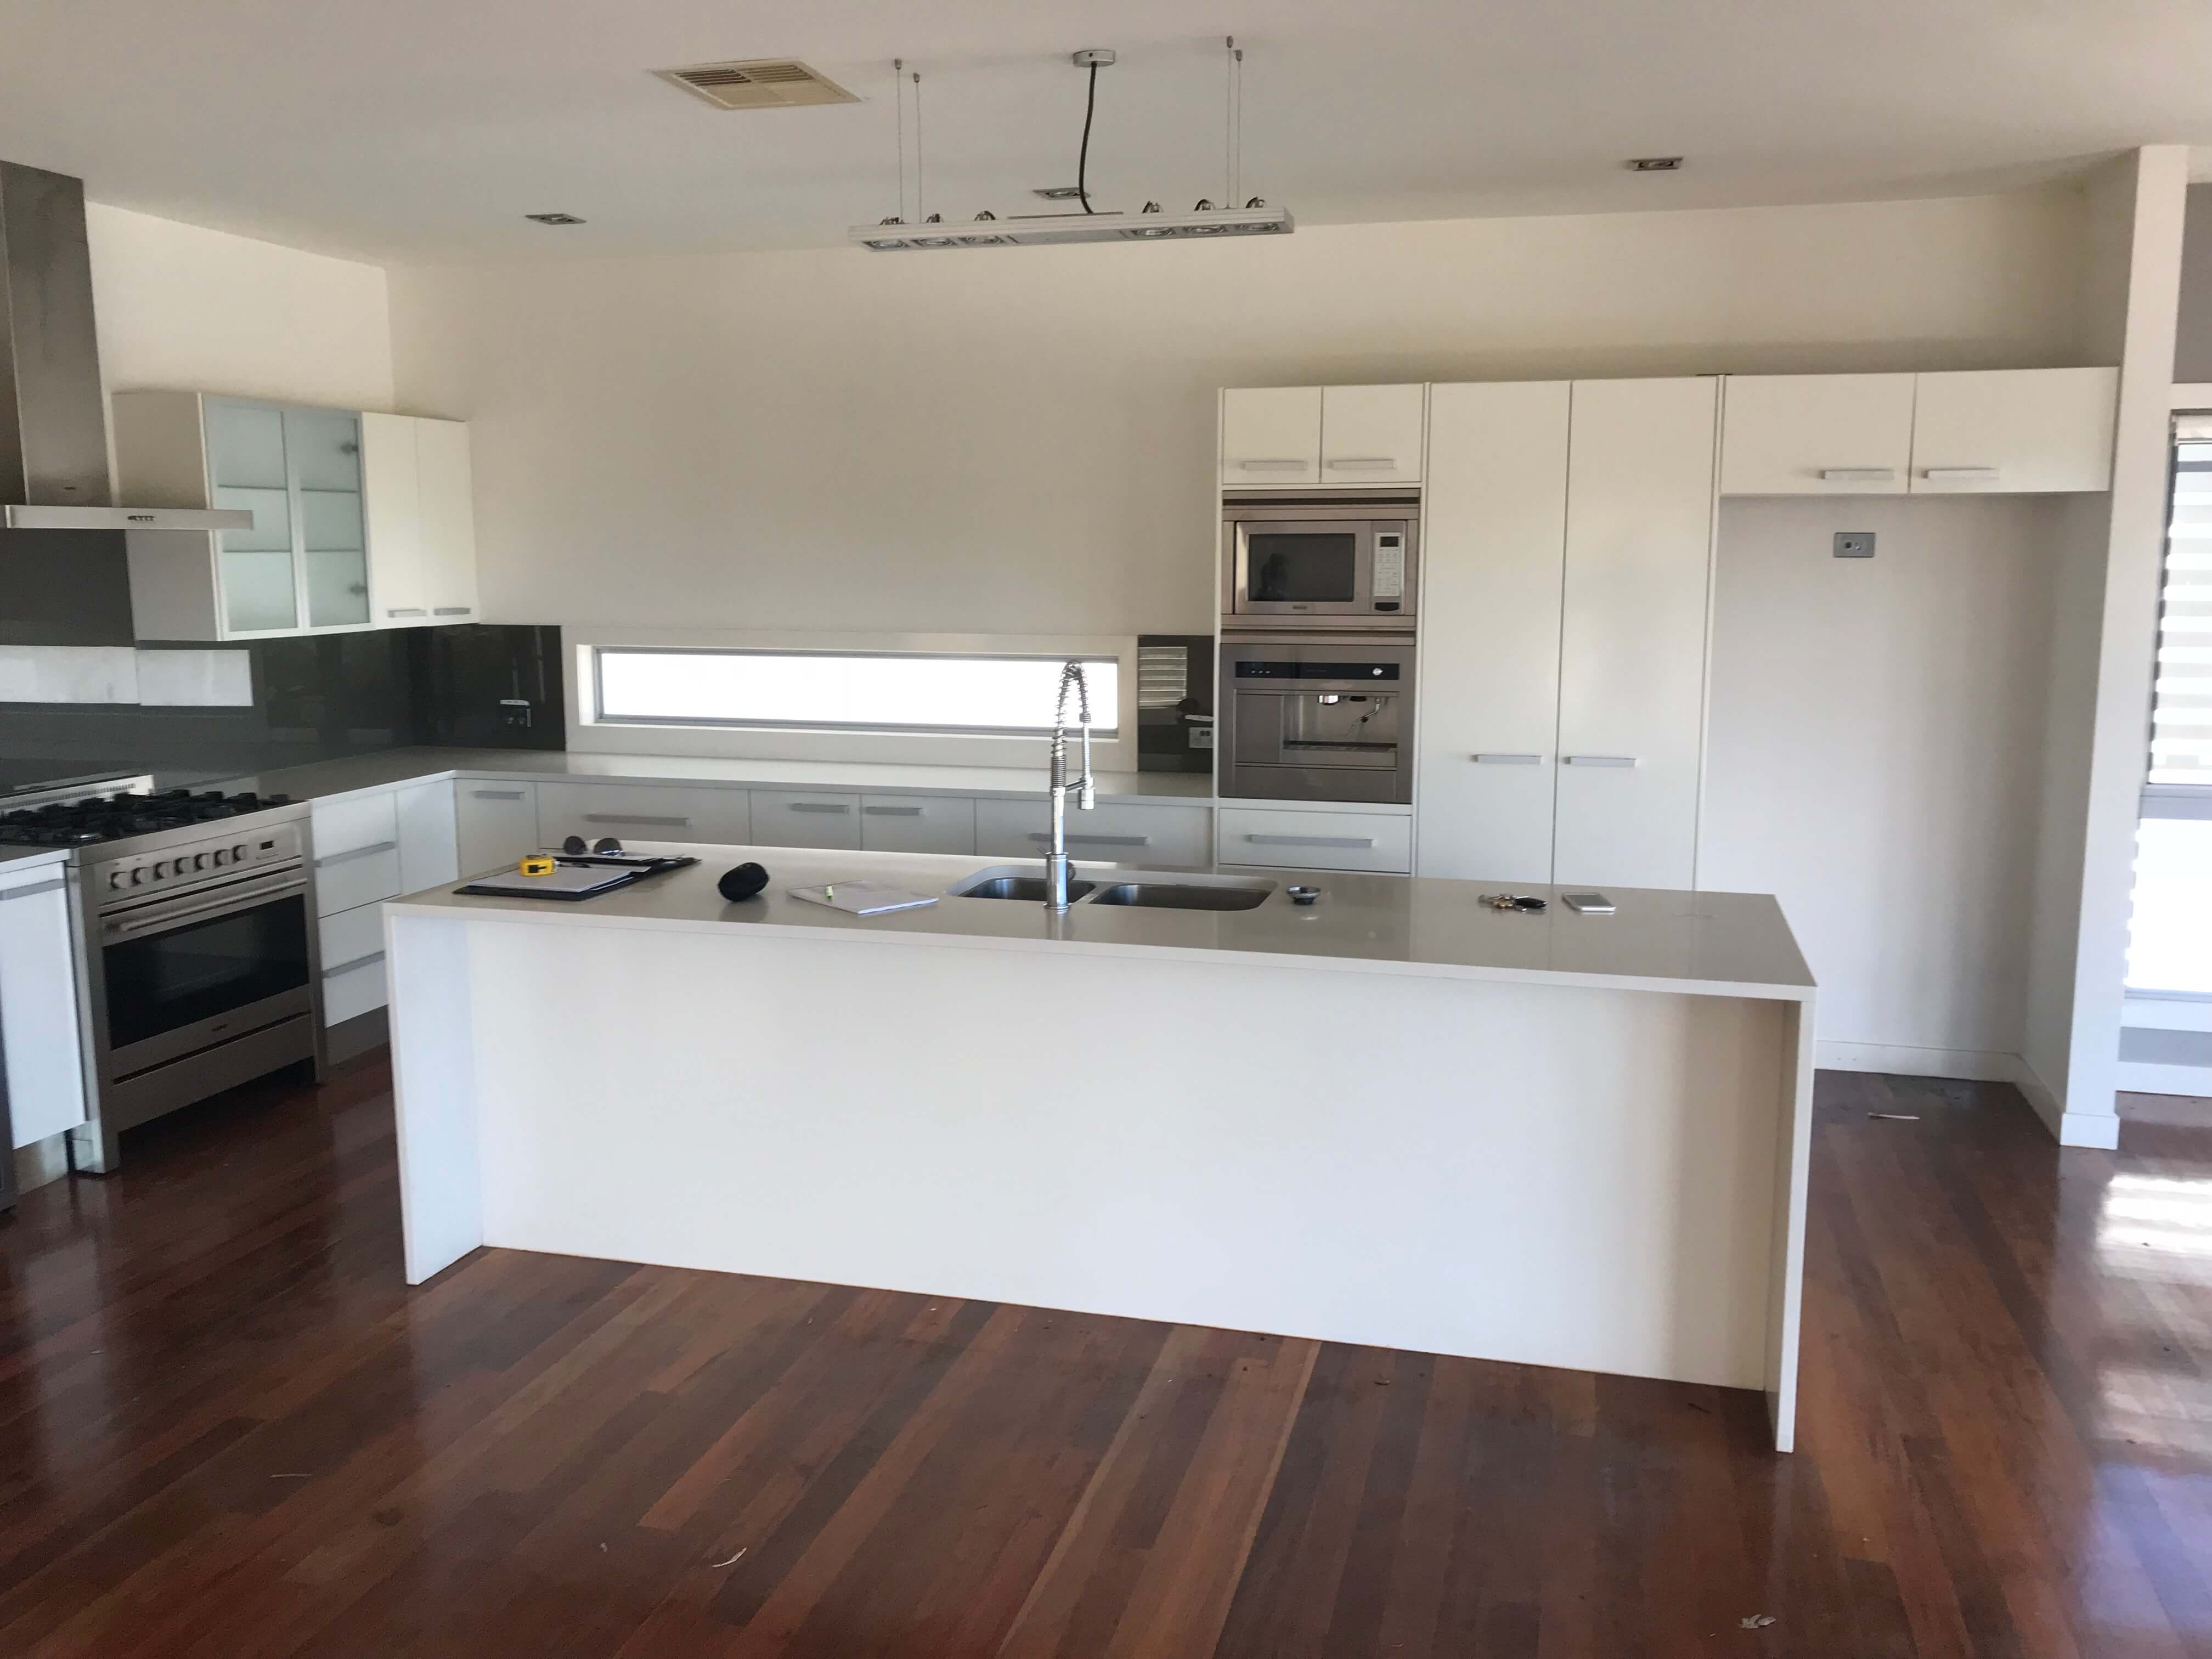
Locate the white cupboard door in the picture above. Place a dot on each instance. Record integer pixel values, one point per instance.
(1494, 524)
(1633, 635)
(918, 824)
(429, 836)
(1271, 435)
(1816, 434)
(794, 817)
(38, 1006)
(392, 500)
(449, 524)
(1371, 434)
(2013, 430)
(498, 823)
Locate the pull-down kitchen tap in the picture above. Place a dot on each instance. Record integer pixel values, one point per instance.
(1087, 793)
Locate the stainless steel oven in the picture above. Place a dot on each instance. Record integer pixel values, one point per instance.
(1309, 718)
(201, 970)
(1307, 559)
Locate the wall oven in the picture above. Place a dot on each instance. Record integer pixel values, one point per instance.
(1304, 718)
(1304, 558)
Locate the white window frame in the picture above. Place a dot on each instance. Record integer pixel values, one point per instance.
(1114, 732)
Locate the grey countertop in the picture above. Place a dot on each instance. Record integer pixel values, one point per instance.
(325, 779)
(1705, 943)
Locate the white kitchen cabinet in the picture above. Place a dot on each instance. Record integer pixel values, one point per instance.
(352, 944)
(1373, 435)
(918, 824)
(429, 835)
(800, 818)
(1816, 434)
(1632, 632)
(1337, 840)
(1493, 555)
(1270, 435)
(497, 824)
(421, 520)
(643, 812)
(38, 1005)
(2010, 431)
(1113, 832)
(356, 847)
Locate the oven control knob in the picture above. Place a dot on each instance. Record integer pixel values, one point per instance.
(199, 861)
(114, 879)
(137, 876)
(220, 857)
(238, 854)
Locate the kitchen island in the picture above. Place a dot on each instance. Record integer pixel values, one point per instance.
(1395, 1117)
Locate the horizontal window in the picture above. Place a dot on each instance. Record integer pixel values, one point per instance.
(846, 691)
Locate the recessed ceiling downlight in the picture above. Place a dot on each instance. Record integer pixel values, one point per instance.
(758, 84)
(1654, 164)
(553, 218)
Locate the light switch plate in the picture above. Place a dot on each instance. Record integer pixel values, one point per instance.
(1854, 543)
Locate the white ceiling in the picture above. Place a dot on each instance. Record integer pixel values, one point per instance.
(418, 130)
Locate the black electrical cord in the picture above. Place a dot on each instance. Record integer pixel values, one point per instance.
(1082, 157)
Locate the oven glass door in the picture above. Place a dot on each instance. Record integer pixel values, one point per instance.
(163, 983)
(1316, 568)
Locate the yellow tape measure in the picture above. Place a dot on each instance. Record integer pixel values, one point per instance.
(537, 864)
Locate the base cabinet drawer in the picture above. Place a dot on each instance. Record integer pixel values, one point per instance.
(357, 847)
(498, 823)
(1111, 833)
(352, 962)
(918, 824)
(1317, 840)
(799, 817)
(643, 812)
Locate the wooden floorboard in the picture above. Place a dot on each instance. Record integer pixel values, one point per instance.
(229, 1431)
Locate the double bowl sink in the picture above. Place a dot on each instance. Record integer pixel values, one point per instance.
(1141, 889)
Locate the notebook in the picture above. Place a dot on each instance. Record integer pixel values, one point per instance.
(863, 898)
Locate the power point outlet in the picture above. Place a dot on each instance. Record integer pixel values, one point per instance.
(515, 711)
(1854, 543)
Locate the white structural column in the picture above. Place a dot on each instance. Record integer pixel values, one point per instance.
(2096, 751)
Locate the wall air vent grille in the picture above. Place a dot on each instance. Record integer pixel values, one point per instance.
(758, 84)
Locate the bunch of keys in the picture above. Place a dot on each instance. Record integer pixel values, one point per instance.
(1511, 901)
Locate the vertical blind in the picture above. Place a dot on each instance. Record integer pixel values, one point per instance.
(2181, 712)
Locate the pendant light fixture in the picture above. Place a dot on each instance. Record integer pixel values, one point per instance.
(929, 231)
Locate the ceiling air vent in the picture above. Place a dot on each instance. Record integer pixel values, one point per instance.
(758, 84)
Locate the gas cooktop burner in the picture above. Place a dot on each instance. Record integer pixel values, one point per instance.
(115, 818)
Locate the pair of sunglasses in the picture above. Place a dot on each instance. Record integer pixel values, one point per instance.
(575, 845)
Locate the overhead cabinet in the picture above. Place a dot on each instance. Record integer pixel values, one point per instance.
(1988, 432)
(320, 507)
(1336, 434)
(421, 520)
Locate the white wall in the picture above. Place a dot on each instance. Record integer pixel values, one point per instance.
(1874, 759)
(205, 311)
(1020, 441)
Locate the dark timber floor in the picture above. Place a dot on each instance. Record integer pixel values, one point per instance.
(227, 1430)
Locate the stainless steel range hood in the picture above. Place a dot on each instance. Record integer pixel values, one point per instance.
(54, 415)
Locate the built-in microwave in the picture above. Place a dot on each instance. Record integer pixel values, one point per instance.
(1321, 558)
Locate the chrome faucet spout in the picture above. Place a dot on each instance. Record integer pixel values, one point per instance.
(1084, 790)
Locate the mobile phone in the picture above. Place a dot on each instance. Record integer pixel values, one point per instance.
(1590, 904)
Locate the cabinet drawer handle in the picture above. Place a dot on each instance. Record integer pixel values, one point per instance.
(1311, 840)
(1272, 466)
(1962, 474)
(815, 807)
(1495, 759)
(894, 811)
(1601, 760)
(371, 959)
(496, 794)
(353, 853)
(408, 611)
(32, 890)
(1365, 464)
(636, 817)
(454, 611)
(1043, 840)
(1858, 474)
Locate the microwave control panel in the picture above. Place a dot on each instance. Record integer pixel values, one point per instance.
(1390, 566)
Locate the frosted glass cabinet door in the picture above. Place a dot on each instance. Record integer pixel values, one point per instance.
(324, 447)
(247, 470)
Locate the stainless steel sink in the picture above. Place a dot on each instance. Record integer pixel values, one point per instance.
(1182, 896)
(1031, 888)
